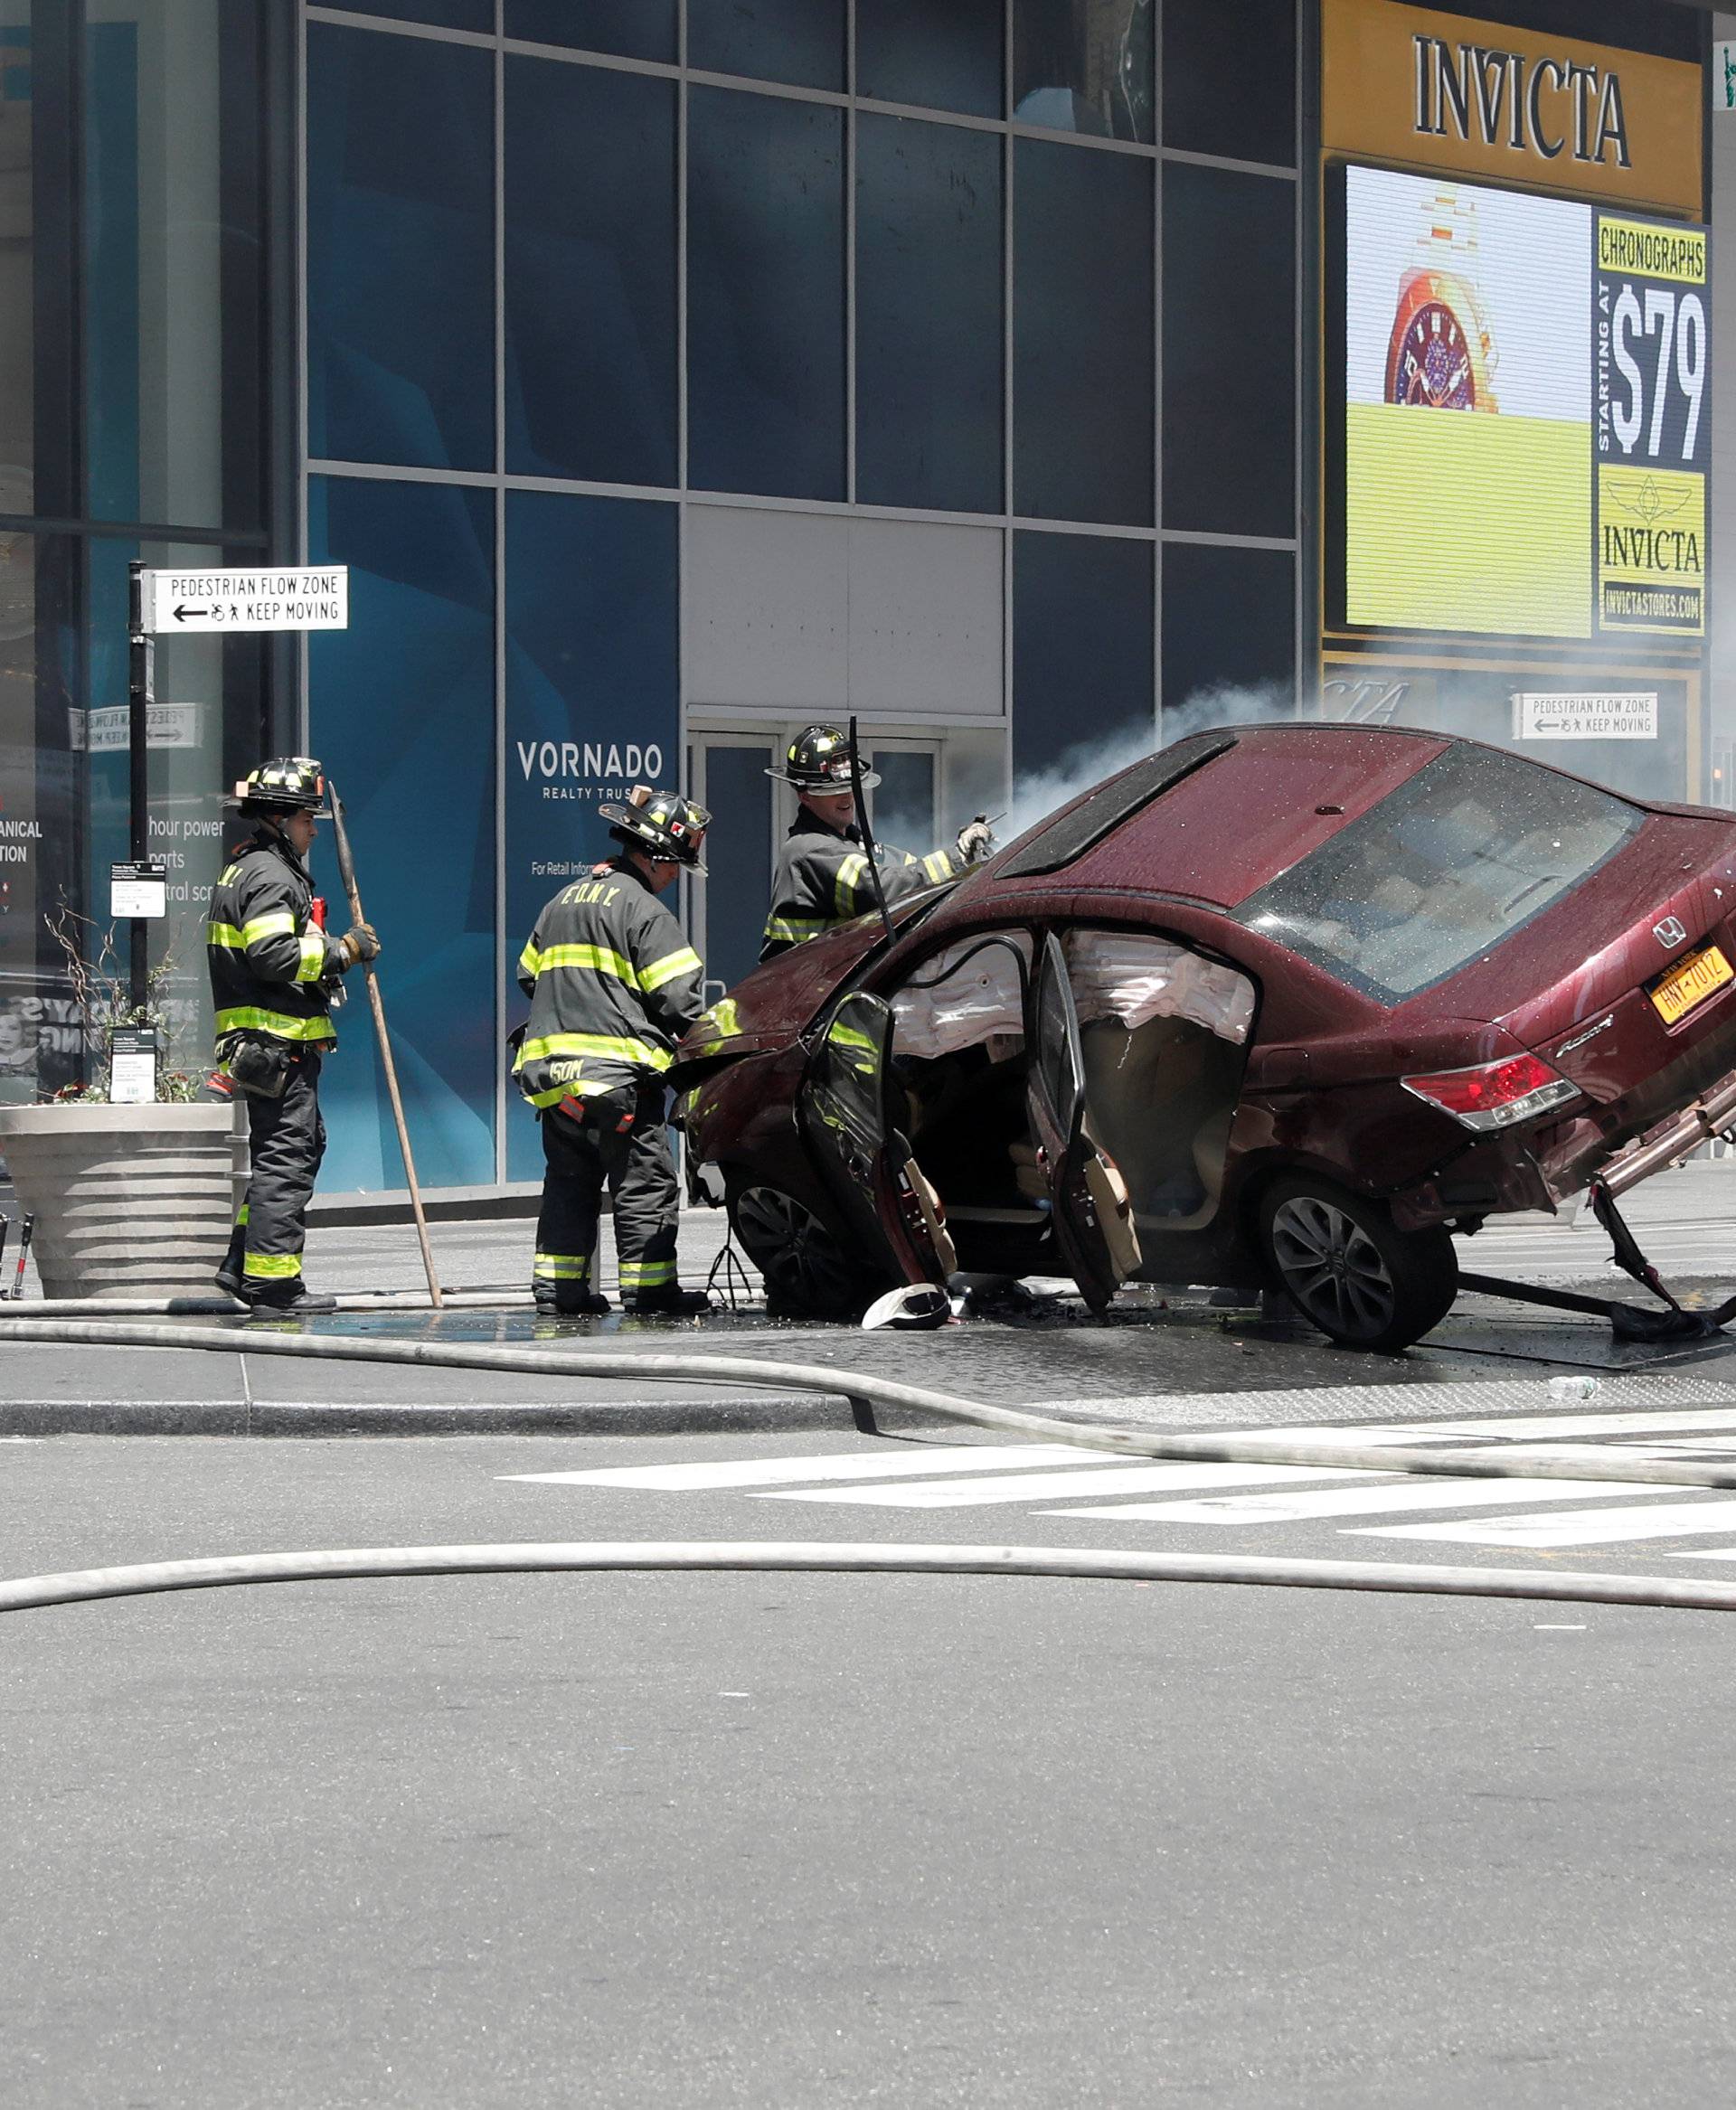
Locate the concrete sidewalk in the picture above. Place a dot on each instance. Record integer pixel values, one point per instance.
(1151, 1345)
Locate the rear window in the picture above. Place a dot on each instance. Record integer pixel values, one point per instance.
(1455, 859)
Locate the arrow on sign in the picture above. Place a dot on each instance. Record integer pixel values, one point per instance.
(183, 612)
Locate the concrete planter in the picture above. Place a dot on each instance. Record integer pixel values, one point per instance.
(128, 1200)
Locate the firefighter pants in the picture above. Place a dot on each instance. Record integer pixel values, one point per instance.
(287, 1140)
(633, 1161)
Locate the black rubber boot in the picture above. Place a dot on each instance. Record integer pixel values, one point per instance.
(668, 1302)
(230, 1279)
(582, 1303)
(274, 1299)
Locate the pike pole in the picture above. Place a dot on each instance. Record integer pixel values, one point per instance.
(346, 870)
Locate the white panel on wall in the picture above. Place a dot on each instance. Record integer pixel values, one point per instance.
(925, 619)
(765, 608)
(787, 613)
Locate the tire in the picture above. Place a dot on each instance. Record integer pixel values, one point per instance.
(1345, 1265)
(808, 1274)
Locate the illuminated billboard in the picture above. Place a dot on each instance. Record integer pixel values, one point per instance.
(1525, 423)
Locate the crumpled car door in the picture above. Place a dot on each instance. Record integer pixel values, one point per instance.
(1088, 1198)
(849, 1117)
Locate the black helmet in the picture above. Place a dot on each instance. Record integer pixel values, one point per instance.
(660, 824)
(288, 784)
(818, 759)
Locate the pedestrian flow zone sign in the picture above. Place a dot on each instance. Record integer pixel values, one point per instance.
(314, 598)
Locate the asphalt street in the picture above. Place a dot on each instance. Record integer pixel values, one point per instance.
(829, 1839)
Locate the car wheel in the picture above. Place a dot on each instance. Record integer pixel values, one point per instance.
(808, 1274)
(1350, 1271)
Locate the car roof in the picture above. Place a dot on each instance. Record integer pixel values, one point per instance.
(1245, 805)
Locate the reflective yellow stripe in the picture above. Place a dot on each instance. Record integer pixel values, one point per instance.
(278, 1023)
(272, 1267)
(562, 1267)
(685, 962)
(313, 956)
(853, 869)
(938, 864)
(646, 1274)
(598, 958)
(240, 1217)
(275, 925)
(225, 935)
(603, 1045)
(720, 1022)
(794, 929)
(529, 960)
(556, 1093)
(848, 1037)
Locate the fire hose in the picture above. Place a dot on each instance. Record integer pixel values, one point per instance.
(1505, 1461)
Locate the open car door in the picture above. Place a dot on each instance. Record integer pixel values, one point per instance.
(1092, 1215)
(850, 1104)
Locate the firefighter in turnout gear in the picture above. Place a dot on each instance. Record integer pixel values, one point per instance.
(823, 878)
(613, 986)
(273, 975)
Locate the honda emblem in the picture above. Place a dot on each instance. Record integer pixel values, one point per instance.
(1670, 932)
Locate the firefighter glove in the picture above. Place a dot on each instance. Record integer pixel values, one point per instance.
(976, 841)
(361, 942)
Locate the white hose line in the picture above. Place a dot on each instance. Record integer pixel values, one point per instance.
(84, 1585)
(1508, 1461)
(360, 1302)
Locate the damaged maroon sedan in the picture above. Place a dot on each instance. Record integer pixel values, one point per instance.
(1278, 1007)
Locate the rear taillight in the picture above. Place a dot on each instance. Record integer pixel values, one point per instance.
(1494, 1095)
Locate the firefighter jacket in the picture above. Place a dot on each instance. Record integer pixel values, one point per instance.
(821, 880)
(272, 969)
(613, 986)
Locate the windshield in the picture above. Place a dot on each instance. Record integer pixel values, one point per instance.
(1457, 858)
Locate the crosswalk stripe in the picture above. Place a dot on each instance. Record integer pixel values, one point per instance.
(1379, 1499)
(919, 1459)
(1671, 1519)
(1046, 1486)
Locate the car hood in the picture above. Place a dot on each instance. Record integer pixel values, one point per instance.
(768, 1008)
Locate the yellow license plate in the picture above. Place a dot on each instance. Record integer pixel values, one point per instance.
(1690, 982)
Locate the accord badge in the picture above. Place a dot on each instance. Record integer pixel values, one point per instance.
(1591, 1033)
(1670, 932)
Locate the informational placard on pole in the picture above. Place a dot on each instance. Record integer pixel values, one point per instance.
(139, 889)
(132, 1066)
(307, 599)
(1597, 715)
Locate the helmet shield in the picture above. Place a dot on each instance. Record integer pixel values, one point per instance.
(818, 759)
(661, 825)
(287, 784)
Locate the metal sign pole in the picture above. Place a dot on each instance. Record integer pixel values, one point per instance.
(140, 675)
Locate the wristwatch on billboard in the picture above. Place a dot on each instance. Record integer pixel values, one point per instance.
(1440, 354)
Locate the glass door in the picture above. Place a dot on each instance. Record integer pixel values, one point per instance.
(730, 903)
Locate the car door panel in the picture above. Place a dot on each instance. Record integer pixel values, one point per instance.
(850, 1121)
(1090, 1210)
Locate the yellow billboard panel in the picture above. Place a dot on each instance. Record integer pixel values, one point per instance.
(1651, 549)
(1417, 85)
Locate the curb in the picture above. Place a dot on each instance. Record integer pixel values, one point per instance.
(769, 1413)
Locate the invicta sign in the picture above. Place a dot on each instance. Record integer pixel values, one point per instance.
(1543, 105)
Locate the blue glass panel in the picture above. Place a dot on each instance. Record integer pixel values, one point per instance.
(630, 29)
(590, 273)
(1084, 66)
(946, 58)
(402, 715)
(798, 41)
(1229, 352)
(400, 249)
(1228, 630)
(591, 701)
(1217, 99)
(111, 303)
(765, 294)
(1083, 697)
(472, 14)
(1084, 352)
(929, 310)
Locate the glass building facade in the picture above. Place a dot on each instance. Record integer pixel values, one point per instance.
(668, 374)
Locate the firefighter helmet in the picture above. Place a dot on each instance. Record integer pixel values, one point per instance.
(288, 784)
(661, 825)
(818, 759)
